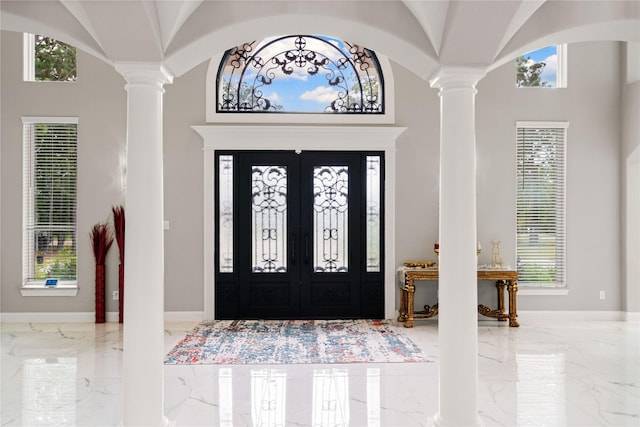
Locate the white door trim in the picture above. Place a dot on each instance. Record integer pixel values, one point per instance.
(310, 138)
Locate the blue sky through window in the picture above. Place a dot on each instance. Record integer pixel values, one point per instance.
(548, 55)
(295, 84)
(303, 93)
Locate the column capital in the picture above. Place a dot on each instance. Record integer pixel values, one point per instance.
(452, 78)
(144, 74)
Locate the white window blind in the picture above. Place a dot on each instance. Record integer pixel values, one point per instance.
(49, 199)
(541, 170)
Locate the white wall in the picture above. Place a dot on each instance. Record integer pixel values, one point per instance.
(630, 176)
(591, 103)
(183, 187)
(98, 99)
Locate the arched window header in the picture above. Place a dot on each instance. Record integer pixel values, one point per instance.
(300, 74)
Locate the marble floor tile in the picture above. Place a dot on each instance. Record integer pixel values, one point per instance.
(545, 373)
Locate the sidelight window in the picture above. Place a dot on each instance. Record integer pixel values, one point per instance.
(373, 213)
(225, 198)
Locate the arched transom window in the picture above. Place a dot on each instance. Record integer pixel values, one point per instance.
(300, 74)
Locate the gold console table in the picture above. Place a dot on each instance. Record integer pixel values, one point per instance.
(503, 278)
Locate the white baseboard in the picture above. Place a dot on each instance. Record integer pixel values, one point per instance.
(632, 316)
(90, 317)
(572, 315)
(184, 316)
(57, 317)
(198, 316)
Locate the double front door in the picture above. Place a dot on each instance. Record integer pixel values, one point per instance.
(299, 235)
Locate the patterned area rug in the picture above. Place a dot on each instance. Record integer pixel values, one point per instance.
(294, 342)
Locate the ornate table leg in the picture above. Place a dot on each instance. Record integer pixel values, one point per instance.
(500, 312)
(411, 288)
(500, 286)
(403, 306)
(512, 287)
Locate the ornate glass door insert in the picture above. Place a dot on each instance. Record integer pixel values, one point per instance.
(331, 219)
(269, 219)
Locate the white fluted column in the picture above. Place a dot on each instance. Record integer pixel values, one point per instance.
(457, 290)
(143, 371)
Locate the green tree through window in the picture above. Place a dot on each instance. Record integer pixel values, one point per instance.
(528, 73)
(540, 206)
(50, 201)
(543, 68)
(300, 74)
(54, 60)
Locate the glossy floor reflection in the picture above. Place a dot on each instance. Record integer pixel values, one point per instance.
(544, 373)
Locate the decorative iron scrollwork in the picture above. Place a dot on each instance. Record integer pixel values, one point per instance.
(269, 218)
(331, 218)
(348, 76)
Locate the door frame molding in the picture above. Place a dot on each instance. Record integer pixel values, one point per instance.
(299, 138)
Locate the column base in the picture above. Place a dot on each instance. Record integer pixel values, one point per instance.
(439, 422)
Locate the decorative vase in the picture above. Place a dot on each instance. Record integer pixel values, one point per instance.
(121, 292)
(100, 294)
(118, 231)
(101, 241)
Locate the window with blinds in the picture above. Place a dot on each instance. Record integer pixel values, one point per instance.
(49, 199)
(541, 170)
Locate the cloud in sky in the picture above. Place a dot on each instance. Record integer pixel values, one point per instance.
(550, 71)
(321, 94)
(297, 75)
(273, 97)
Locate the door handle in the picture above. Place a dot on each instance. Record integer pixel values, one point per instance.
(306, 248)
(293, 249)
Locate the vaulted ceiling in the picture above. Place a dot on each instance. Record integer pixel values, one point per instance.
(421, 35)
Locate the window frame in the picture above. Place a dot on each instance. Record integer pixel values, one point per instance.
(29, 57)
(559, 285)
(301, 52)
(29, 61)
(561, 70)
(30, 286)
(346, 138)
(388, 117)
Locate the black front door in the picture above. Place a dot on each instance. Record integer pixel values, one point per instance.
(300, 238)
